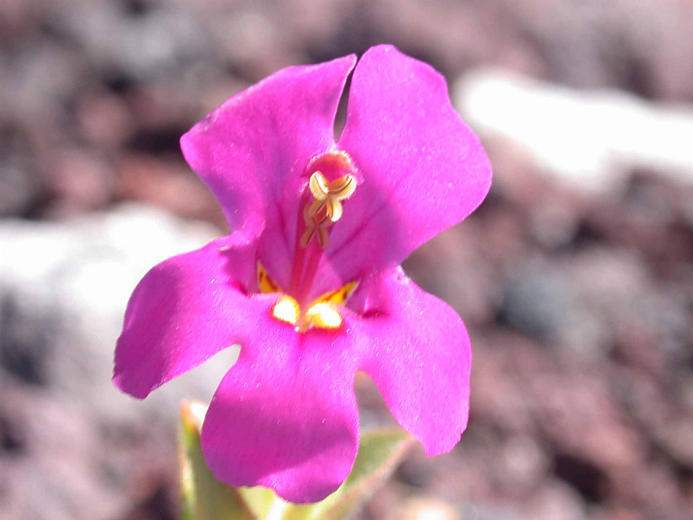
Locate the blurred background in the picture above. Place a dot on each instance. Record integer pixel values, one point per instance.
(575, 277)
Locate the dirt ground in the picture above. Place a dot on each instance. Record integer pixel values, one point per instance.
(578, 304)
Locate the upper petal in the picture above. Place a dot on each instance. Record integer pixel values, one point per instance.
(285, 415)
(252, 150)
(183, 311)
(419, 356)
(422, 168)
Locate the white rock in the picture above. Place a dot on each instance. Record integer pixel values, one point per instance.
(67, 285)
(588, 139)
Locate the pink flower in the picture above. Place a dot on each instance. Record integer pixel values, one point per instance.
(309, 281)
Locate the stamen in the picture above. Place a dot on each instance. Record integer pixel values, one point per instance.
(318, 186)
(323, 207)
(343, 188)
(326, 207)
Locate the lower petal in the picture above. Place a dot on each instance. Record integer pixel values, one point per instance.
(285, 415)
(183, 311)
(419, 357)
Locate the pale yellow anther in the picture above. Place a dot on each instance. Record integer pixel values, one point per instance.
(334, 209)
(342, 188)
(326, 207)
(318, 186)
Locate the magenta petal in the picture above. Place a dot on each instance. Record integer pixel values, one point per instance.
(252, 150)
(285, 415)
(183, 311)
(423, 169)
(419, 356)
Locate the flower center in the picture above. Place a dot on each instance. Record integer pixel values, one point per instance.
(331, 182)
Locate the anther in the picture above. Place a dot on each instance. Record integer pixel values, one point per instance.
(326, 207)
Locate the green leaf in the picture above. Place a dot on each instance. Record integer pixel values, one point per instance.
(203, 497)
(379, 454)
(206, 498)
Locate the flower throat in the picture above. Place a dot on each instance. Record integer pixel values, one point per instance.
(312, 238)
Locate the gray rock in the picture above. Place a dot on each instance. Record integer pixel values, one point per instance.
(158, 41)
(64, 287)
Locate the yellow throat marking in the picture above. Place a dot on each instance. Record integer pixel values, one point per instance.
(322, 313)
